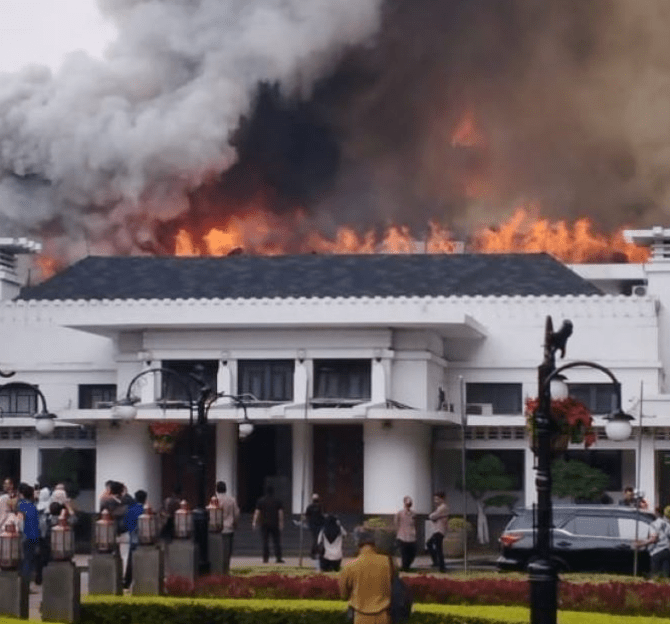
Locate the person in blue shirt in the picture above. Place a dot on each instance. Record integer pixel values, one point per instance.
(31, 530)
(135, 510)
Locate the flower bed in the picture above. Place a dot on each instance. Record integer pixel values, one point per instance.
(639, 598)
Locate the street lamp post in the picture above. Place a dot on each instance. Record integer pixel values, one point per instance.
(543, 574)
(198, 420)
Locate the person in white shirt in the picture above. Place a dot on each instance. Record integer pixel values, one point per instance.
(330, 544)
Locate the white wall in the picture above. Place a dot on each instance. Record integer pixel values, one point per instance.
(124, 454)
(396, 463)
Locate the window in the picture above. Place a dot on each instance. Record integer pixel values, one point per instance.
(266, 380)
(599, 526)
(599, 398)
(504, 398)
(18, 400)
(96, 396)
(610, 462)
(342, 379)
(174, 389)
(631, 529)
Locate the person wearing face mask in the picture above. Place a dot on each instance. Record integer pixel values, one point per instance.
(405, 526)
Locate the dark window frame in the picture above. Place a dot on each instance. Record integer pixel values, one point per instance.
(107, 394)
(172, 390)
(266, 380)
(15, 398)
(349, 379)
(600, 398)
(494, 393)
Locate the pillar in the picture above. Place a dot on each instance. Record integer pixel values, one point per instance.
(30, 462)
(647, 476)
(124, 453)
(396, 463)
(224, 377)
(378, 390)
(303, 466)
(226, 454)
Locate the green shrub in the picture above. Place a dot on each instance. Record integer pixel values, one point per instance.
(161, 610)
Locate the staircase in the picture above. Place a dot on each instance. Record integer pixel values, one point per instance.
(247, 543)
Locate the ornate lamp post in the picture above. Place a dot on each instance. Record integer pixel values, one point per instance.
(543, 575)
(199, 407)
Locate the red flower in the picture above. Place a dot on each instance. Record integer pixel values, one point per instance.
(568, 417)
(164, 429)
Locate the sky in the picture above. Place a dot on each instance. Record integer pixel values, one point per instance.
(44, 31)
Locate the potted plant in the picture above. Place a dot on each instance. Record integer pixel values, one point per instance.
(164, 435)
(570, 421)
(384, 533)
(458, 529)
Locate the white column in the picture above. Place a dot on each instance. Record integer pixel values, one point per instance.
(303, 466)
(124, 453)
(146, 385)
(647, 477)
(301, 380)
(30, 463)
(226, 455)
(396, 463)
(224, 378)
(378, 389)
(530, 492)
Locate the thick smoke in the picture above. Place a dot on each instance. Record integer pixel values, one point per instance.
(347, 109)
(101, 149)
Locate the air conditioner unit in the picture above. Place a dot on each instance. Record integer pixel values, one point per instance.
(479, 409)
(640, 290)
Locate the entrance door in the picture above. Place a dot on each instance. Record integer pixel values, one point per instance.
(264, 459)
(10, 464)
(178, 468)
(338, 467)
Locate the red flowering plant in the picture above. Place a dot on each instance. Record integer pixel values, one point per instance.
(164, 434)
(568, 417)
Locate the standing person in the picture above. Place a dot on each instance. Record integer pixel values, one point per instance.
(170, 505)
(135, 510)
(44, 547)
(269, 513)
(439, 518)
(5, 497)
(231, 516)
(658, 544)
(631, 498)
(405, 526)
(315, 519)
(31, 530)
(366, 583)
(330, 537)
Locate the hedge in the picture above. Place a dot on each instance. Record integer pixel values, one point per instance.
(158, 610)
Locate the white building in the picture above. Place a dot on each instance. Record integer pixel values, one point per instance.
(357, 363)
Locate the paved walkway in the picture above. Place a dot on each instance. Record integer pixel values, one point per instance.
(422, 564)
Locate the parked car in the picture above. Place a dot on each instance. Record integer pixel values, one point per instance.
(584, 538)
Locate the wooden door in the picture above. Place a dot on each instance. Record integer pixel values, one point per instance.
(338, 467)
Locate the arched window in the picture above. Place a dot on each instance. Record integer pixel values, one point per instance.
(18, 400)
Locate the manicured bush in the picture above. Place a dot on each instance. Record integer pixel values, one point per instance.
(155, 610)
(639, 598)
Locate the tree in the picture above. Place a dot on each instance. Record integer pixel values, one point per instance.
(483, 476)
(578, 480)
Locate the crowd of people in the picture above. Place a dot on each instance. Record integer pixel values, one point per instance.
(34, 511)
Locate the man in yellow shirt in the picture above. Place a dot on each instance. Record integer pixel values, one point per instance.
(366, 583)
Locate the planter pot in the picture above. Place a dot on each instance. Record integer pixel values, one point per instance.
(559, 444)
(452, 546)
(385, 541)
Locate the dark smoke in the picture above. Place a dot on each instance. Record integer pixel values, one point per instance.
(552, 84)
(344, 112)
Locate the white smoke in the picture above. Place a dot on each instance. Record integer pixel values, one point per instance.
(136, 131)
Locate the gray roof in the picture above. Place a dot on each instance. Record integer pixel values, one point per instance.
(246, 277)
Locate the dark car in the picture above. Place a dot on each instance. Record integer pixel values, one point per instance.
(584, 538)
